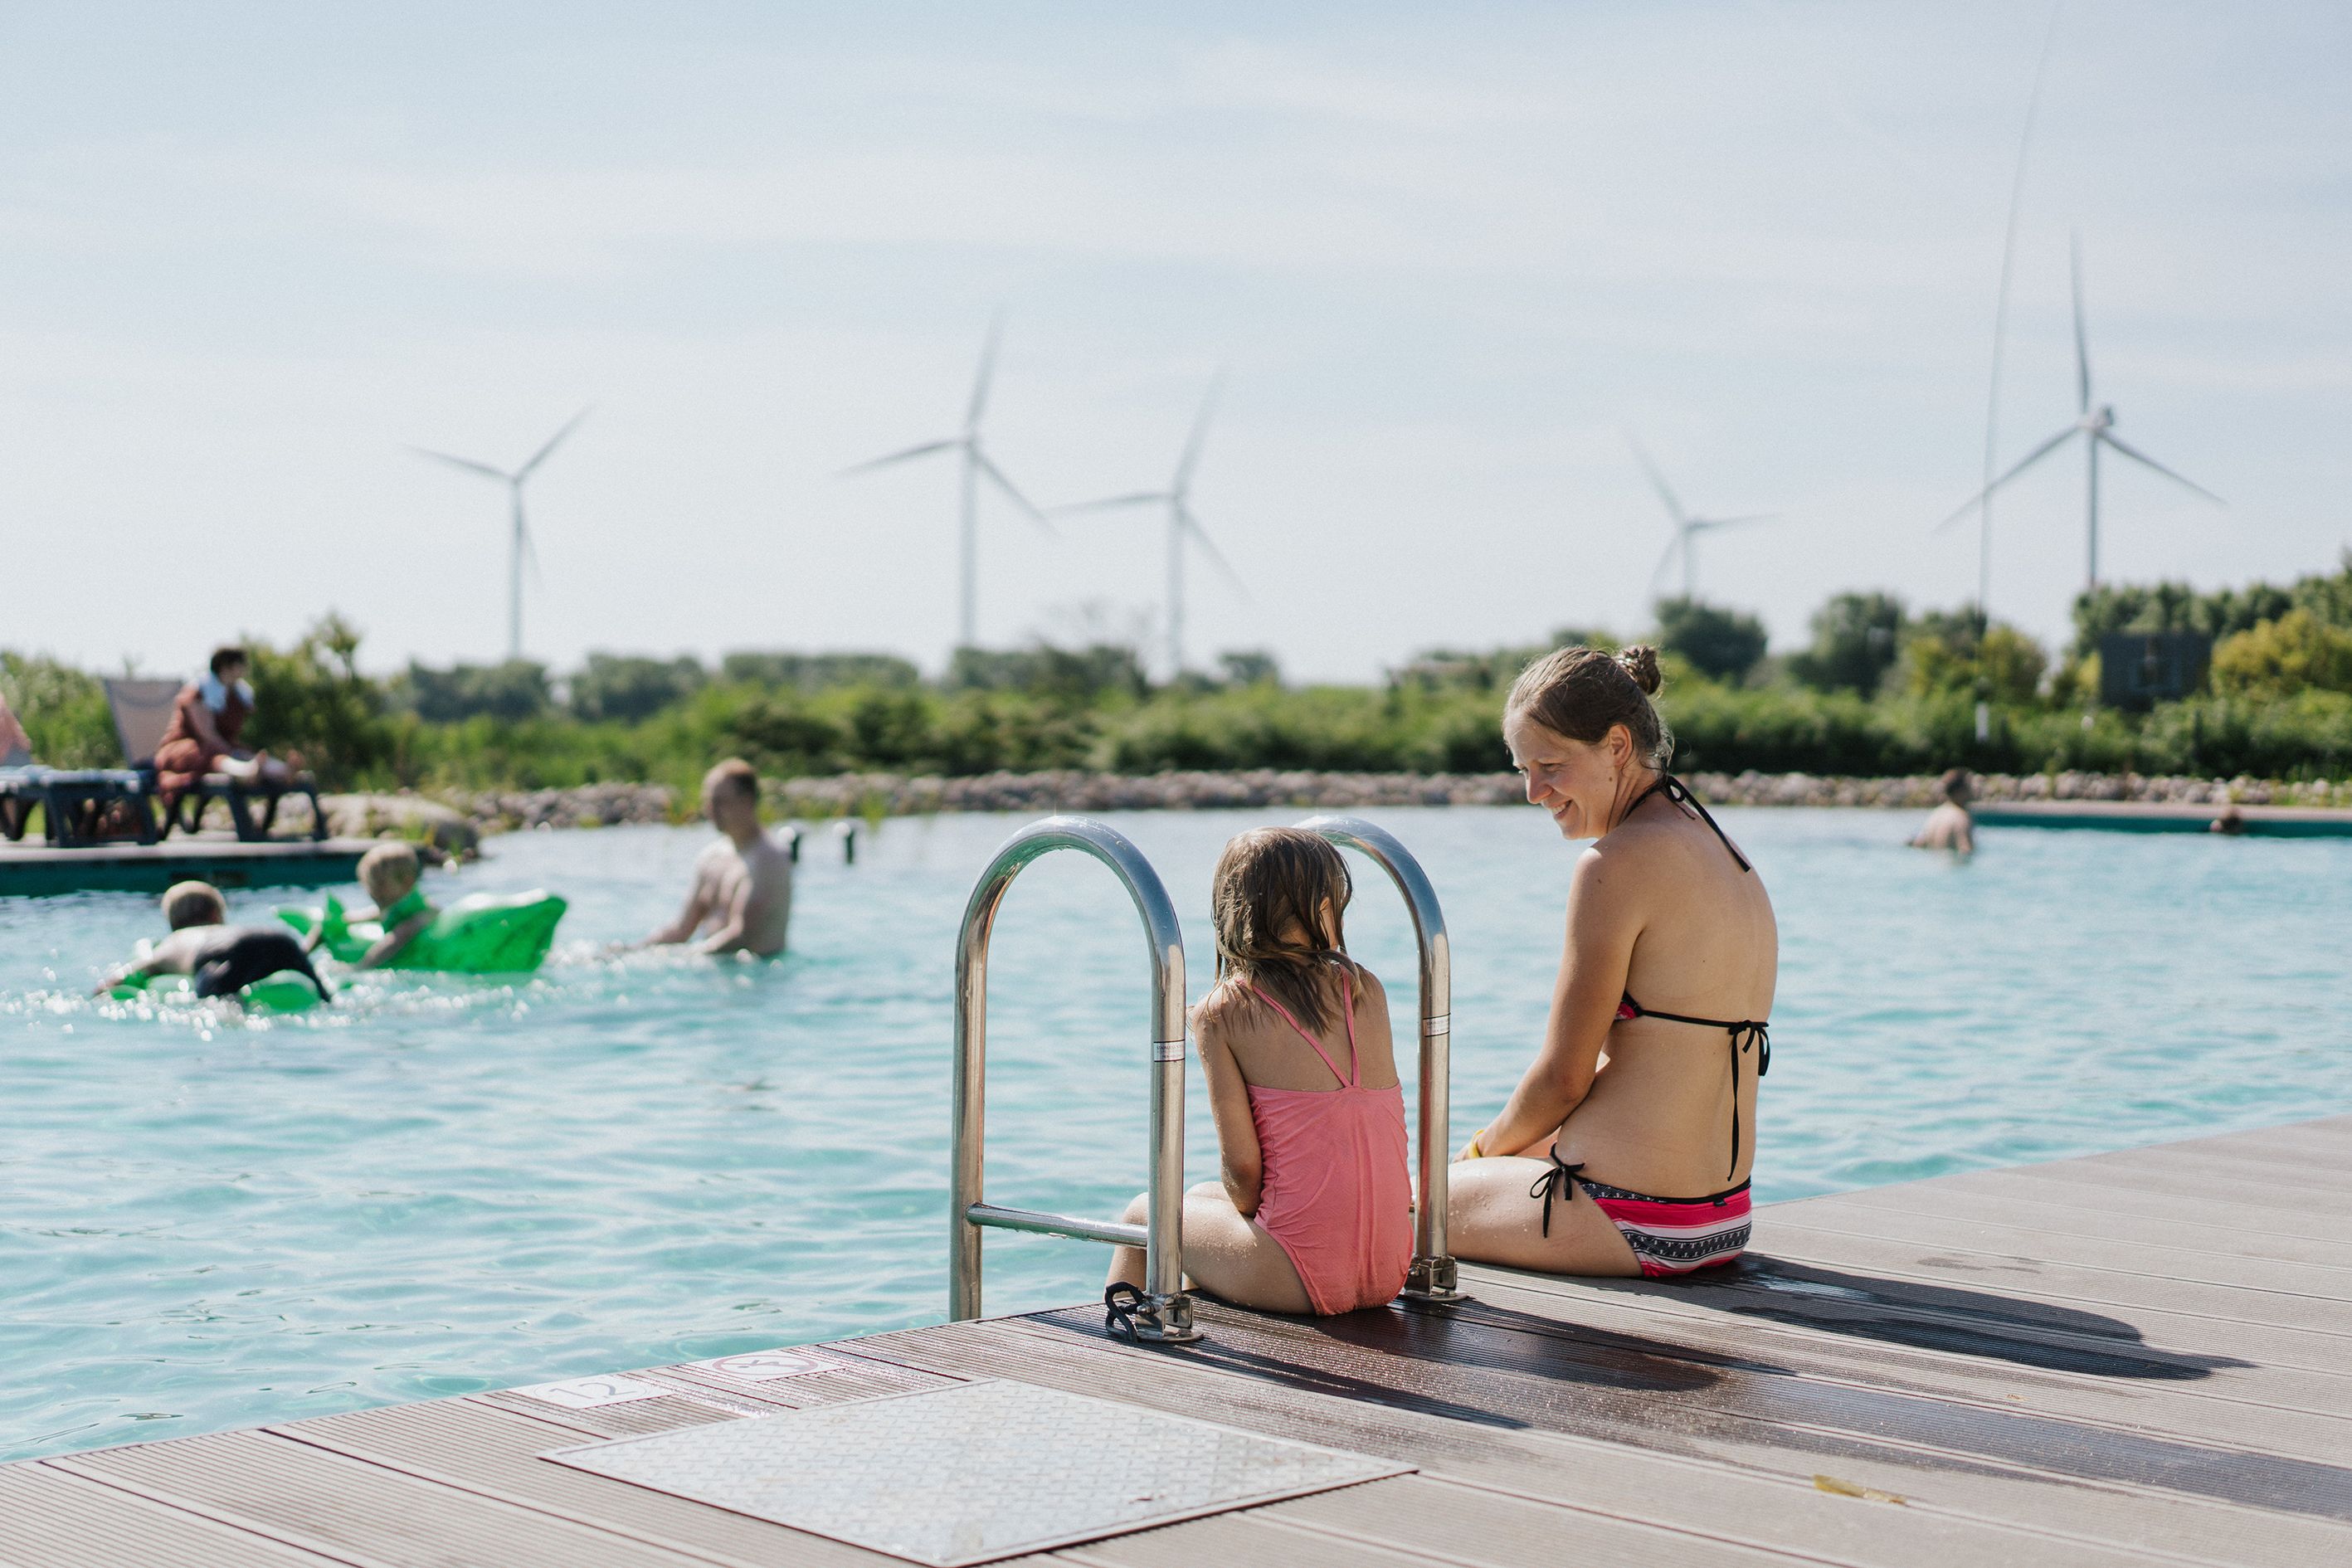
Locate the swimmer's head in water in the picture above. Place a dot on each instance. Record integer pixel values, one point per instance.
(1276, 900)
(1579, 722)
(389, 873)
(193, 904)
(729, 787)
(1960, 786)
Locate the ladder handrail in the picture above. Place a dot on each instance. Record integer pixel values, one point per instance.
(1433, 1276)
(1166, 1312)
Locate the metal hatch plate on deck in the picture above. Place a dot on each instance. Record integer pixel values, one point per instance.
(974, 1473)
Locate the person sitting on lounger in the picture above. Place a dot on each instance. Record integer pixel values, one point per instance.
(742, 885)
(389, 872)
(223, 959)
(208, 718)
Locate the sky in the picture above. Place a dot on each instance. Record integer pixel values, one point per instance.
(1448, 259)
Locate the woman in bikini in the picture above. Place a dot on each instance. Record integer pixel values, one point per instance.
(1625, 1148)
(1315, 1210)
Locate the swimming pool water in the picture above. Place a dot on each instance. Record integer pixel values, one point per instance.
(444, 1184)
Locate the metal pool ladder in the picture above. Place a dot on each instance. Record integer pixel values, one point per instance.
(1166, 1312)
(1432, 1277)
(1165, 1315)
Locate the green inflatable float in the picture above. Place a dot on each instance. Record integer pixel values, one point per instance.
(272, 994)
(483, 933)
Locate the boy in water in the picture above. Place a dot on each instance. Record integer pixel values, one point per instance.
(742, 885)
(223, 958)
(1948, 826)
(389, 873)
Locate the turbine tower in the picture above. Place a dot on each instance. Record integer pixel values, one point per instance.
(520, 544)
(1686, 527)
(976, 467)
(1181, 525)
(2097, 428)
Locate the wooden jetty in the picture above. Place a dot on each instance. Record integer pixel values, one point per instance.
(42, 870)
(2167, 816)
(2139, 1357)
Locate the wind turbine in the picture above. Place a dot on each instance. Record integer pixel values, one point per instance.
(2097, 427)
(1686, 527)
(976, 467)
(1182, 524)
(520, 544)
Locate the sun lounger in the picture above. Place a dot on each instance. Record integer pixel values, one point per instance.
(79, 806)
(78, 803)
(143, 712)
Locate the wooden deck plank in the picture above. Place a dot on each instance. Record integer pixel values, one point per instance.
(2128, 1192)
(474, 1446)
(361, 1513)
(1491, 1529)
(1947, 1232)
(2125, 1391)
(2200, 1317)
(1669, 1479)
(50, 1519)
(1922, 1316)
(2050, 1214)
(2266, 1180)
(2005, 1464)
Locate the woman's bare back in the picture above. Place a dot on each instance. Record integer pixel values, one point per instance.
(1658, 1119)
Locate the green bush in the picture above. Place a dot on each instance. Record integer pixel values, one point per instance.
(63, 710)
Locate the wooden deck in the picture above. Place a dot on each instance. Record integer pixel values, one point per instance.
(43, 870)
(2140, 1357)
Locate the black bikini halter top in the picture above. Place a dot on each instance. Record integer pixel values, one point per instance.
(1744, 1032)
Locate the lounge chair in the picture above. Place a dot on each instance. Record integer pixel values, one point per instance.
(143, 712)
(77, 803)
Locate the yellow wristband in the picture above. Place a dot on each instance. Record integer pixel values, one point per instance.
(1471, 1151)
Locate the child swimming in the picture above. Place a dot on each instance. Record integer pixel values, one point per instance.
(222, 959)
(389, 873)
(1315, 1210)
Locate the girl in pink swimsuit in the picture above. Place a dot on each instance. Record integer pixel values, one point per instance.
(1314, 1212)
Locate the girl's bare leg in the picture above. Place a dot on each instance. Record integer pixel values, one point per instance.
(1234, 1258)
(1490, 1218)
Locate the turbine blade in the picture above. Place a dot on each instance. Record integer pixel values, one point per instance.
(2147, 461)
(1191, 525)
(1700, 524)
(1200, 431)
(1657, 482)
(553, 442)
(2023, 464)
(1658, 573)
(1140, 498)
(467, 464)
(996, 477)
(925, 450)
(2081, 339)
(531, 557)
(987, 372)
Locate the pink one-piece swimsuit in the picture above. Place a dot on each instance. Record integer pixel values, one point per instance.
(1337, 1195)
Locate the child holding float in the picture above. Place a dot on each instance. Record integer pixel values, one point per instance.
(1314, 1212)
(484, 933)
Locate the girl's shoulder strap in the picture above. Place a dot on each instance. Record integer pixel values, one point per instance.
(1312, 1043)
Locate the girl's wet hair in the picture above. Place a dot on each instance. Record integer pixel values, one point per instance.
(1584, 693)
(1267, 881)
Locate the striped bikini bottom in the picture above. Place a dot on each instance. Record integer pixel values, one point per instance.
(1669, 1235)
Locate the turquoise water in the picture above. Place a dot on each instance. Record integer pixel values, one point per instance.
(443, 1185)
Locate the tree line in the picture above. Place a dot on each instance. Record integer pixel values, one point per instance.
(1877, 688)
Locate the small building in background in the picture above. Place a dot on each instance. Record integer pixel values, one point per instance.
(2140, 669)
